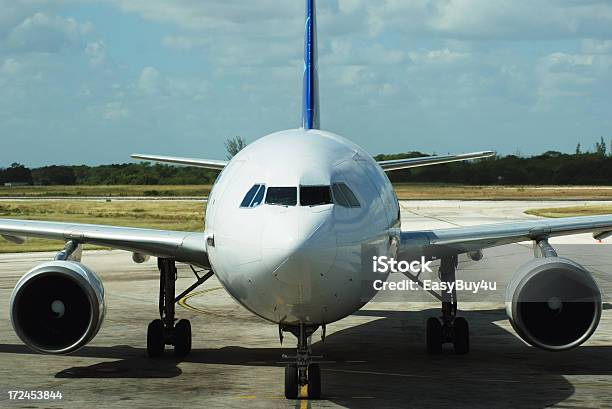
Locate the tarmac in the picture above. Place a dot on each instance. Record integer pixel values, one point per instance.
(373, 358)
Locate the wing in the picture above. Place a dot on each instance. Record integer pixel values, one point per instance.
(201, 163)
(443, 242)
(396, 164)
(182, 246)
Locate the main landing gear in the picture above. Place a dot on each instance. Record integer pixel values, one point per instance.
(449, 328)
(165, 331)
(303, 372)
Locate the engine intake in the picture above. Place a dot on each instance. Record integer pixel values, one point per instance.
(553, 303)
(57, 307)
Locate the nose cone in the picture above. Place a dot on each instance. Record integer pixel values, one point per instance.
(299, 248)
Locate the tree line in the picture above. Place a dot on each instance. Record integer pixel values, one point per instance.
(117, 174)
(549, 168)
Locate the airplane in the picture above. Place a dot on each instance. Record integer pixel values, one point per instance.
(292, 224)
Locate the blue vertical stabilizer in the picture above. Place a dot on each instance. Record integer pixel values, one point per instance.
(310, 96)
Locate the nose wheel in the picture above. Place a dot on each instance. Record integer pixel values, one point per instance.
(449, 328)
(292, 381)
(314, 381)
(303, 372)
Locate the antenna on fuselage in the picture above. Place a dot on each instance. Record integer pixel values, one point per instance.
(310, 94)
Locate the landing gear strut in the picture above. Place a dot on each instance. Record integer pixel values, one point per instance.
(165, 331)
(448, 328)
(303, 372)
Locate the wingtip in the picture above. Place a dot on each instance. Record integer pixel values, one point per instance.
(476, 155)
(486, 154)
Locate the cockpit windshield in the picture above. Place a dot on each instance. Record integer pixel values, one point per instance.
(283, 196)
(315, 195)
(339, 193)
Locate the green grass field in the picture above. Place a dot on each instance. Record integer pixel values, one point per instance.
(404, 191)
(463, 192)
(590, 210)
(105, 190)
(169, 215)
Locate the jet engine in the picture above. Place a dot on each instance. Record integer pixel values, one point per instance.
(57, 307)
(553, 303)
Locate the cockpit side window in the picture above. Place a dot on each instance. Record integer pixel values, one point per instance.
(258, 199)
(283, 196)
(315, 195)
(254, 196)
(344, 196)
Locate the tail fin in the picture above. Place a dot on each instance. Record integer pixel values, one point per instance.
(310, 95)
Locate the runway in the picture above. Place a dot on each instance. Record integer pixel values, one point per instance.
(374, 358)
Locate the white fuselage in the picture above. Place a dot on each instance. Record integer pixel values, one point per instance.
(301, 264)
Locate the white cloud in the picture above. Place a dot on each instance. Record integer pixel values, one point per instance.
(149, 80)
(345, 51)
(565, 75)
(492, 20)
(567, 61)
(86, 28)
(235, 16)
(246, 34)
(592, 46)
(44, 33)
(115, 110)
(439, 56)
(111, 111)
(10, 66)
(96, 51)
(181, 42)
(349, 6)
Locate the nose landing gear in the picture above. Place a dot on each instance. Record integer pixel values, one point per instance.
(303, 373)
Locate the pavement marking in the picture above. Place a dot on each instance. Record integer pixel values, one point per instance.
(183, 302)
(304, 397)
(440, 219)
(405, 375)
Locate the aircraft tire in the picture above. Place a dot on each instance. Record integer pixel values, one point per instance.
(291, 381)
(314, 381)
(461, 339)
(182, 338)
(155, 339)
(434, 336)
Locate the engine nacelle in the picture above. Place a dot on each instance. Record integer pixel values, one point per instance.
(57, 307)
(553, 303)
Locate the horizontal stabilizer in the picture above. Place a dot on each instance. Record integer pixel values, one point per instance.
(396, 164)
(201, 163)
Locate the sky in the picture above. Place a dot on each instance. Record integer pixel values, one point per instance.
(90, 82)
